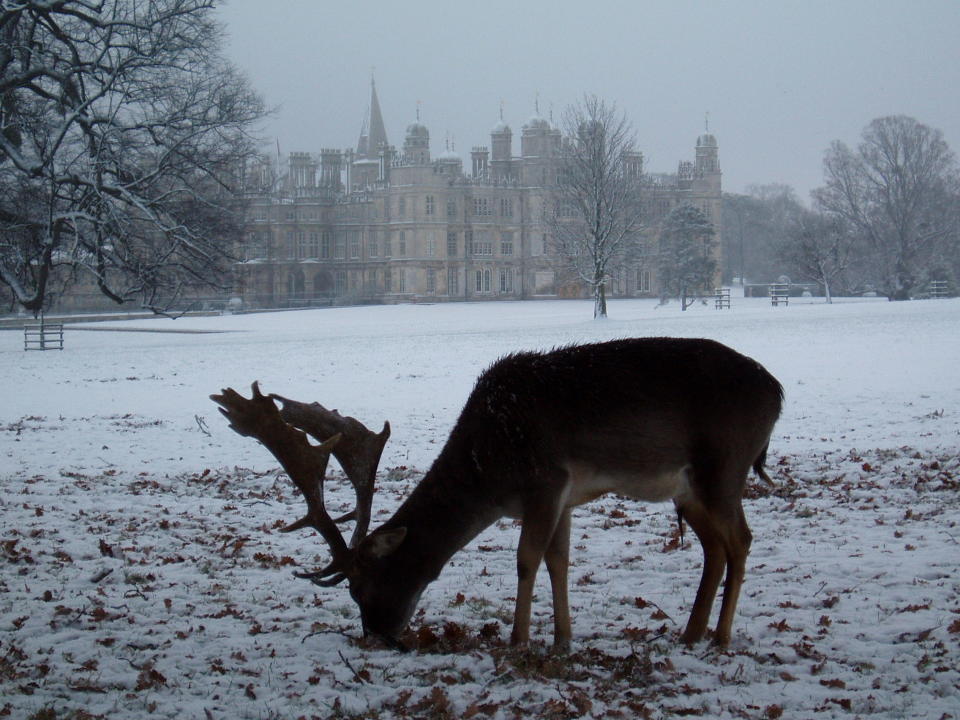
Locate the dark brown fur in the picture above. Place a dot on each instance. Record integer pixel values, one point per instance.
(537, 424)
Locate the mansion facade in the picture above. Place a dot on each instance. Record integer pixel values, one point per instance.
(377, 224)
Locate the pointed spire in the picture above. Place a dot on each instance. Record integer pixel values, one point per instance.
(373, 134)
(378, 132)
(364, 141)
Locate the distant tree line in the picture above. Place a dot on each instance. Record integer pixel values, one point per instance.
(886, 220)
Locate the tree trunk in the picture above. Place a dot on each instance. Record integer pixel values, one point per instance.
(825, 279)
(599, 300)
(901, 281)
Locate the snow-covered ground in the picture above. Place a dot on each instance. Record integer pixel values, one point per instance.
(142, 574)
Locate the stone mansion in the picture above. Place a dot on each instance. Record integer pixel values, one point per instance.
(377, 224)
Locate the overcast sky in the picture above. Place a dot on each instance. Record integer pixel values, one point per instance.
(780, 80)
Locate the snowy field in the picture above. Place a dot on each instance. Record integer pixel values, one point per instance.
(141, 574)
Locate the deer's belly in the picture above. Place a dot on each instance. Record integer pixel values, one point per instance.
(586, 484)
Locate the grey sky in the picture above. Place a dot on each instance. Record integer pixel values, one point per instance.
(780, 79)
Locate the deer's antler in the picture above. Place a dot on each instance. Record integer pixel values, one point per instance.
(284, 433)
(306, 464)
(358, 452)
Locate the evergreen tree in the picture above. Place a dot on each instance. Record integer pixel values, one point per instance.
(687, 266)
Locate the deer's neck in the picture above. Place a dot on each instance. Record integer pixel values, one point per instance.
(446, 510)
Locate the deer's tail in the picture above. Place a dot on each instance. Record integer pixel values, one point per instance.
(759, 463)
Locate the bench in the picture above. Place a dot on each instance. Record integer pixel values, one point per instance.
(721, 298)
(43, 336)
(938, 289)
(779, 293)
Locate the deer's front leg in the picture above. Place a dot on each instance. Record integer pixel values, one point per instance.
(539, 522)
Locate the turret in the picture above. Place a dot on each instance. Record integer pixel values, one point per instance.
(331, 162)
(416, 145)
(449, 163)
(707, 160)
(540, 146)
(633, 164)
(533, 140)
(480, 161)
(501, 140)
(303, 171)
(706, 168)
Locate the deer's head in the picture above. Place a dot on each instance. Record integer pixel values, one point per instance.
(385, 594)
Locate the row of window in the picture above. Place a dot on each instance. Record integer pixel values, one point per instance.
(396, 282)
(482, 207)
(303, 245)
(480, 281)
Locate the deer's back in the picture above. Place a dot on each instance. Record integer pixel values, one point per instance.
(634, 377)
(635, 410)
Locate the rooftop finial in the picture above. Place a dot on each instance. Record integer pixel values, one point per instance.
(706, 121)
(418, 111)
(501, 109)
(536, 103)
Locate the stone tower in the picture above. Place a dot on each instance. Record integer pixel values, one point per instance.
(539, 149)
(705, 186)
(707, 163)
(501, 143)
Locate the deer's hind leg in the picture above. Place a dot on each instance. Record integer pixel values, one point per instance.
(722, 530)
(714, 561)
(738, 539)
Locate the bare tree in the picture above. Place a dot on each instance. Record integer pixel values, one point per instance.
(687, 266)
(893, 189)
(122, 129)
(820, 247)
(945, 265)
(594, 212)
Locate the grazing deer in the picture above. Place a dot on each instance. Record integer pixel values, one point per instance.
(653, 419)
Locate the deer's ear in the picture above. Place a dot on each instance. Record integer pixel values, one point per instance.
(380, 544)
